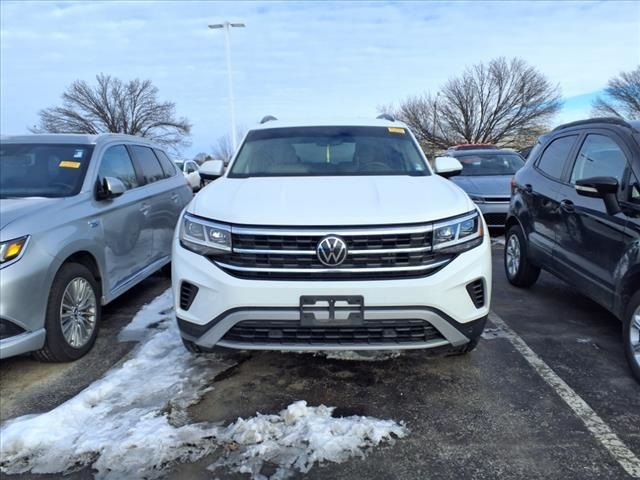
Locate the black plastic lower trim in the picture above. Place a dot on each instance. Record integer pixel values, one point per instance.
(470, 330)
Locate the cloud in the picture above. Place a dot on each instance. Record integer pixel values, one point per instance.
(299, 59)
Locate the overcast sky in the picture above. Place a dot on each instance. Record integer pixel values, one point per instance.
(302, 59)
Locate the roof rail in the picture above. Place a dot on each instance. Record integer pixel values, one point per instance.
(386, 116)
(590, 121)
(267, 118)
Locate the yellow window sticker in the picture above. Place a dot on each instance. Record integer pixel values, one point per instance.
(396, 130)
(69, 164)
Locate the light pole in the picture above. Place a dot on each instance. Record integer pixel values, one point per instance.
(226, 26)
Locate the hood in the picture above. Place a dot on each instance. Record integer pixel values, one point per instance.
(12, 209)
(334, 201)
(487, 186)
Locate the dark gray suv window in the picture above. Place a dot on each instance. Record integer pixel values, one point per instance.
(555, 156)
(117, 163)
(148, 162)
(599, 156)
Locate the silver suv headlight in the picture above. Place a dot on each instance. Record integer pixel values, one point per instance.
(12, 250)
(204, 236)
(459, 234)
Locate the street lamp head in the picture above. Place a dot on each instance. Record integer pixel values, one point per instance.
(226, 24)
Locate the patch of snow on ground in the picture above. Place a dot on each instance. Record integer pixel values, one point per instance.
(362, 356)
(132, 423)
(498, 240)
(298, 438)
(128, 424)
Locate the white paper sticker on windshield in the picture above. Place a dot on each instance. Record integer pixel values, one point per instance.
(79, 153)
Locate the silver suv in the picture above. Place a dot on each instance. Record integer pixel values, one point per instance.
(83, 218)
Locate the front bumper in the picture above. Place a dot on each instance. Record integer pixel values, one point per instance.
(222, 301)
(24, 292)
(494, 213)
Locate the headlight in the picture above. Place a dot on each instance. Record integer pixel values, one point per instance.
(476, 198)
(12, 250)
(204, 237)
(458, 235)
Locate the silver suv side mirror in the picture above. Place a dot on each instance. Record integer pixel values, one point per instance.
(110, 187)
(212, 169)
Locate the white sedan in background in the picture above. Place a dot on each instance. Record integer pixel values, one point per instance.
(191, 172)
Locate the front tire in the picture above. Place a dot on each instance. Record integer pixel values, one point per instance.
(631, 334)
(517, 266)
(73, 315)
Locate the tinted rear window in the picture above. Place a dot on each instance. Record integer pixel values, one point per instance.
(168, 166)
(150, 168)
(556, 155)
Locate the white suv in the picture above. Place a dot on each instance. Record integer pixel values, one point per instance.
(332, 237)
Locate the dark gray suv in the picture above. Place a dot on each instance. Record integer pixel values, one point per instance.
(575, 212)
(83, 218)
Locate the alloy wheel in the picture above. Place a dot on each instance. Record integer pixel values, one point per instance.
(78, 312)
(513, 255)
(634, 335)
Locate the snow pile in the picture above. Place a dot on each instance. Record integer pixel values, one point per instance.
(362, 355)
(298, 438)
(132, 423)
(498, 241)
(126, 424)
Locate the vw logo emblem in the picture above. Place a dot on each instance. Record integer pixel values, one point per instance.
(331, 251)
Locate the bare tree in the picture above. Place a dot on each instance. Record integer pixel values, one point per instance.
(202, 157)
(223, 148)
(502, 102)
(622, 97)
(118, 107)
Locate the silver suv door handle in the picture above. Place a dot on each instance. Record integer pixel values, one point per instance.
(175, 197)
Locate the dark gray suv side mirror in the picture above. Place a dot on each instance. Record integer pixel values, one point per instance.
(605, 188)
(110, 187)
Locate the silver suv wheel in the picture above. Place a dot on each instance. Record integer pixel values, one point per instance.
(78, 312)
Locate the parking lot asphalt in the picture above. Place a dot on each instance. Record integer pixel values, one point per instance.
(500, 412)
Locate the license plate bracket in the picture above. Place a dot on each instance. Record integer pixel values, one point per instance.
(328, 310)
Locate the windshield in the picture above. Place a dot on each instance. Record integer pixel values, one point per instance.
(334, 151)
(38, 170)
(490, 164)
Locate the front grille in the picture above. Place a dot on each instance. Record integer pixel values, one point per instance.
(476, 292)
(373, 253)
(188, 294)
(373, 332)
(495, 219)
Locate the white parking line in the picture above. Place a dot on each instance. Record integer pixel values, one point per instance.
(599, 429)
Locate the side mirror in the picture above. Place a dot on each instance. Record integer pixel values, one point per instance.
(110, 187)
(212, 169)
(447, 166)
(605, 188)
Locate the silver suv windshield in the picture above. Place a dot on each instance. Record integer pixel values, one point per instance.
(42, 170)
(480, 164)
(328, 151)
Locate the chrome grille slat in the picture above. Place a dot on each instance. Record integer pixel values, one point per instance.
(278, 253)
